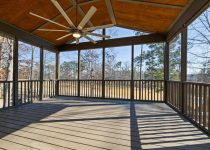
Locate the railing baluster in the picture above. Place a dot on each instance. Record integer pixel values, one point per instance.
(8, 94)
(204, 105)
(4, 94)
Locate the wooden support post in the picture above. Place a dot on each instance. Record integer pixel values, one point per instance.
(166, 70)
(57, 73)
(78, 75)
(15, 73)
(184, 54)
(41, 71)
(103, 67)
(132, 73)
(183, 67)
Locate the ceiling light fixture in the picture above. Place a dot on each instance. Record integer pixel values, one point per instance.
(77, 34)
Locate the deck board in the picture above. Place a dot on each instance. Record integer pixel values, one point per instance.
(73, 123)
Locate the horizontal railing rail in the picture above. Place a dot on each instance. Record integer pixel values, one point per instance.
(150, 90)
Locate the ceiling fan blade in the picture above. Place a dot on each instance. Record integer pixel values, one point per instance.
(87, 17)
(58, 6)
(77, 40)
(100, 35)
(98, 27)
(53, 30)
(64, 36)
(88, 38)
(38, 16)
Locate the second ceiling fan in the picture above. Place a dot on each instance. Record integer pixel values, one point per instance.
(76, 31)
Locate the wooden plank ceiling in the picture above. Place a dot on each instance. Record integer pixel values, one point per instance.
(155, 16)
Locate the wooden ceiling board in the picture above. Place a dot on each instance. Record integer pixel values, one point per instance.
(132, 15)
(16, 12)
(143, 16)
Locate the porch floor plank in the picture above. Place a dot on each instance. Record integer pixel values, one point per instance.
(75, 123)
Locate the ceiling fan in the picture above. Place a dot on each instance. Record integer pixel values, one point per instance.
(76, 31)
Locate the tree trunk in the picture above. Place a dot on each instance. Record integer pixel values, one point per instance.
(9, 71)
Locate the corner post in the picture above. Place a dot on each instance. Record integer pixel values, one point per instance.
(103, 67)
(166, 70)
(41, 73)
(15, 73)
(57, 73)
(78, 75)
(132, 73)
(183, 68)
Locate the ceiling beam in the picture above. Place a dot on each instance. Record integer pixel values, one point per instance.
(193, 11)
(180, 14)
(88, 2)
(144, 39)
(153, 4)
(26, 36)
(81, 12)
(110, 11)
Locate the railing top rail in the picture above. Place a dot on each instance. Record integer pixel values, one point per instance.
(190, 82)
(106, 80)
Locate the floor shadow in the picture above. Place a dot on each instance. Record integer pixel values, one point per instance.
(5, 113)
(134, 128)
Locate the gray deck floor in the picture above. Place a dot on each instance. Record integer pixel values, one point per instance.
(85, 124)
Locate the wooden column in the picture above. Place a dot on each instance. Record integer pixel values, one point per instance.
(15, 73)
(183, 68)
(132, 73)
(166, 69)
(78, 75)
(41, 71)
(57, 73)
(103, 67)
(184, 54)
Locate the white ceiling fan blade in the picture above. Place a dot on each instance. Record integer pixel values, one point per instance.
(98, 27)
(57, 5)
(38, 16)
(100, 35)
(88, 38)
(64, 36)
(53, 30)
(77, 40)
(87, 17)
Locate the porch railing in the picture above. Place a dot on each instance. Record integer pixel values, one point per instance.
(150, 90)
(27, 92)
(192, 100)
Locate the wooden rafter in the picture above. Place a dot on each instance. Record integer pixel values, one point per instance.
(81, 12)
(110, 10)
(153, 4)
(88, 2)
(53, 19)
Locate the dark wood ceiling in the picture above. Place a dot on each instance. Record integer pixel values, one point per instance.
(154, 16)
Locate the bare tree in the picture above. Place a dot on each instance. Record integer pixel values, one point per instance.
(199, 48)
